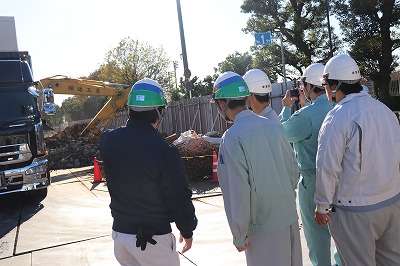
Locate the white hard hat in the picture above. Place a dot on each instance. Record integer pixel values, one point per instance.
(258, 81)
(343, 68)
(313, 74)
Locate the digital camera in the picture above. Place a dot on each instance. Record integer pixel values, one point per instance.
(295, 93)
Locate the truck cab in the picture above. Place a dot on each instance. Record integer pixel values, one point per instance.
(23, 160)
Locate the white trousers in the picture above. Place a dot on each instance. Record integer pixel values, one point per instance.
(280, 248)
(162, 253)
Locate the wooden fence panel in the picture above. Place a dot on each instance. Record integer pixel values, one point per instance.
(199, 114)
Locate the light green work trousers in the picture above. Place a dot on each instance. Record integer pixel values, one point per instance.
(318, 237)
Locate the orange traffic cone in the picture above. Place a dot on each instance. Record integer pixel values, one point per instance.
(97, 174)
(215, 164)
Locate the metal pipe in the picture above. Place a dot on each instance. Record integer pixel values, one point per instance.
(283, 60)
(183, 44)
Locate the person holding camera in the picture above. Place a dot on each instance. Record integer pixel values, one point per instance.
(260, 88)
(358, 178)
(302, 130)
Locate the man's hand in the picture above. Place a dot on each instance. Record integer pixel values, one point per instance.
(321, 218)
(188, 243)
(287, 100)
(240, 249)
(302, 98)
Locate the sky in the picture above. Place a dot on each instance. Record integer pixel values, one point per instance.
(72, 37)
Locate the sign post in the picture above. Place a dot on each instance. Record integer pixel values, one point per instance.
(265, 38)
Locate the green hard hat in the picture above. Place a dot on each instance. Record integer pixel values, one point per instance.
(146, 94)
(230, 85)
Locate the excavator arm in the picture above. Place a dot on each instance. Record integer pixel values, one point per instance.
(109, 110)
(65, 85)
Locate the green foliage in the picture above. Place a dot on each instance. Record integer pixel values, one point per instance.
(303, 26)
(82, 107)
(199, 88)
(371, 29)
(132, 60)
(237, 62)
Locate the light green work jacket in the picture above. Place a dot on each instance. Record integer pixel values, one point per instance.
(302, 129)
(258, 173)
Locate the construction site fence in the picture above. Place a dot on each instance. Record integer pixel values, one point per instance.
(199, 114)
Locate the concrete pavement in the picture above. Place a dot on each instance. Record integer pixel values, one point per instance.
(72, 226)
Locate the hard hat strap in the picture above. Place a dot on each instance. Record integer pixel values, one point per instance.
(223, 111)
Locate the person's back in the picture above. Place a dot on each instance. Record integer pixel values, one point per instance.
(137, 162)
(266, 150)
(257, 173)
(358, 178)
(378, 143)
(147, 183)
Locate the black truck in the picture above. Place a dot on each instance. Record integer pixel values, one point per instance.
(23, 155)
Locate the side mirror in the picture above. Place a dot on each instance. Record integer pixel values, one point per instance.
(49, 108)
(33, 91)
(48, 95)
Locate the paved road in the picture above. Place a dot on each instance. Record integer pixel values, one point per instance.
(72, 226)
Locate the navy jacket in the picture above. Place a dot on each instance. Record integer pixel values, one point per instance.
(146, 180)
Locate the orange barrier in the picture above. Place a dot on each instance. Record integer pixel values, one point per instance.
(215, 164)
(97, 174)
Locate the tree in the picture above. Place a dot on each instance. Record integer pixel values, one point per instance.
(371, 28)
(199, 87)
(81, 107)
(132, 60)
(237, 62)
(303, 26)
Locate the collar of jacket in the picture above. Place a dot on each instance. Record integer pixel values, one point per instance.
(352, 96)
(243, 114)
(322, 97)
(139, 123)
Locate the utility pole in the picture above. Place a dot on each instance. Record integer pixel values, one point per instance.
(175, 67)
(184, 55)
(329, 29)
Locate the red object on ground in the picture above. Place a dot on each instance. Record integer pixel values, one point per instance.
(97, 174)
(214, 169)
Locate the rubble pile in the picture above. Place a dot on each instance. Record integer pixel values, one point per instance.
(70, 149)
(196, 152)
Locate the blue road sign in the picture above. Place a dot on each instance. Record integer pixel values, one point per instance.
(263, 38)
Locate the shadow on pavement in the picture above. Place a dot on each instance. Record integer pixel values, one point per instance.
(16, 208)
(71, 174)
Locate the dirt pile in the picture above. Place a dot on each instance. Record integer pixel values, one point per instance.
(196, 152)
(70, 149)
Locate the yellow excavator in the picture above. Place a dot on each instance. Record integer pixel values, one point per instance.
(65, 85)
